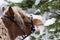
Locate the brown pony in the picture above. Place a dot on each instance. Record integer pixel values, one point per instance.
(12, 23)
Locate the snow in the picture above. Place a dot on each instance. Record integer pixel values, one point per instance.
(16, 1)
(28, 38)
(37, 2)
(31, 10)
(41, 29)
(49, 22)
(52, 30)
(2, 2)
(38, 10)
(50, 0)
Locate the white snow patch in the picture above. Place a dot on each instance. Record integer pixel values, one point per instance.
(16, 1)
(28, 38)
(38, 10)
(41, 29)
(52, 29)
(3, 2)
(36, 36)
(37, 2)
(49, 22)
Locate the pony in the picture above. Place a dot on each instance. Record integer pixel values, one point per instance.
(14, 23)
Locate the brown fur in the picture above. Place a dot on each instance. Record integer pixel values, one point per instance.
(13, 30)
(12, 27)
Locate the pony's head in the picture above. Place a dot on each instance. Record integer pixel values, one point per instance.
(21, 18)
(37, 20)
(11, 20)
(14, 14)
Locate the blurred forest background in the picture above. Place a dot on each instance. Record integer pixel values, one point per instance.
(49, 8)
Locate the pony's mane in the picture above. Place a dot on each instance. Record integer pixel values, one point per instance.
(17, 15)
(19, 9)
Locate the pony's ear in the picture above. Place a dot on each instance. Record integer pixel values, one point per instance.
(3, 9)
(10, 12)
